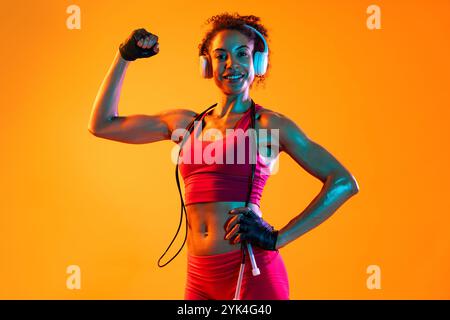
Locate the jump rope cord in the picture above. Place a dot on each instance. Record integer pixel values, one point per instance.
(244, 244)
(183, 208)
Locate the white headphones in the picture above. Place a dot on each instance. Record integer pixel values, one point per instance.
(260, 60)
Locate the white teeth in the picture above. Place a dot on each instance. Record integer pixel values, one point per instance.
(233, 77)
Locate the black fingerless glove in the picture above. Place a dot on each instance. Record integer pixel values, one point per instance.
(257, 231)
(130, 51)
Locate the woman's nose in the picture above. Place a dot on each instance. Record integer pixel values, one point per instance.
(230, 62)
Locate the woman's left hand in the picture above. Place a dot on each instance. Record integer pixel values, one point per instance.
(246, 225)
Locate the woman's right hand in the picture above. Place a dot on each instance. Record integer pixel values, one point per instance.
(140, 44)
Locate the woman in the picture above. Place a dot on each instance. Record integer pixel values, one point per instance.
(218, 219)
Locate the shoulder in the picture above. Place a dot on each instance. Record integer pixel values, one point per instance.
(270, 119)
(179, 112)
(290, 134)
(178, 118)
(266, 116)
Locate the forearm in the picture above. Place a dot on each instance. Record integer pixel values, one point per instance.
(107, 99)
(333, 194)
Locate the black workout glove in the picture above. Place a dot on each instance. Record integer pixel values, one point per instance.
(130, 50)
(246, 225)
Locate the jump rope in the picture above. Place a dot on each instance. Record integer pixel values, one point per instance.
(260, 62)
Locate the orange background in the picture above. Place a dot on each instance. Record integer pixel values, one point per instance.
(378, 100)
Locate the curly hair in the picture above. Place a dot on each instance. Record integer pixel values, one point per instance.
(234, 21)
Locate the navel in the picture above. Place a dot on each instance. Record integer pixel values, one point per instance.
(205, 230)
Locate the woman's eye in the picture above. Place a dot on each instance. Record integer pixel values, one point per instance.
(242, 54)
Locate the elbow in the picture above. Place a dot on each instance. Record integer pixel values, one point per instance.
(97, 128)
(94, 131)
(91, 129)
(355, 188)
(348, 182)
(353, 185)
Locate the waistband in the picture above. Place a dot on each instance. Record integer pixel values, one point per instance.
(227, 263)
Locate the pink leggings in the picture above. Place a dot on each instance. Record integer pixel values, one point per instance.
(215, 277)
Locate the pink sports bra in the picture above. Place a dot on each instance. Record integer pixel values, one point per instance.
(220, 170)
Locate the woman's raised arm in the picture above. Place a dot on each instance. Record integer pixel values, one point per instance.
(105, 121)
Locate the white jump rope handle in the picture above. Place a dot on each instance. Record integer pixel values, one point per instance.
(255, 271)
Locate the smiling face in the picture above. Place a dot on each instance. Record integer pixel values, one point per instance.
(231, 55)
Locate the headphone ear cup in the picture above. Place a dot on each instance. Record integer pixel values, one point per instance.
(257, 63)
(205, 67)
(203, 64)
(263, 61)
(260, 63)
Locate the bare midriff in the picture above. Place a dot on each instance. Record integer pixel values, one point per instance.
(206, 235)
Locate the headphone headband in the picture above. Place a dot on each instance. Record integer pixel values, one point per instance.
(266, 47)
